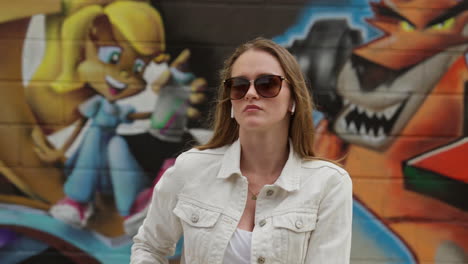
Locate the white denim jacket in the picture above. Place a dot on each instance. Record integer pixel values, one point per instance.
(304, 217)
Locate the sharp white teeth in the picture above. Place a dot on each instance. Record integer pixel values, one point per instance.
(375, 134)
(390, 112)
(341, 125)
(352, 128)
(360, 109)
(380, 138)
(115, 83)
(369, 113)
(380, 133)
(362, 130)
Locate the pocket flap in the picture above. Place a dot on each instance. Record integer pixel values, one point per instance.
(296, 221)
(195, 215)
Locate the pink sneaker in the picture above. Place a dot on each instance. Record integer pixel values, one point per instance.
(140, 207)
(72, 212)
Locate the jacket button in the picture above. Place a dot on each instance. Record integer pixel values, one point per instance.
(299, 224)
(262, 222)
(270, 192)
(261, 260)
(194, 218)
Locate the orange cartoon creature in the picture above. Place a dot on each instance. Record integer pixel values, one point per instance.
(398, 114)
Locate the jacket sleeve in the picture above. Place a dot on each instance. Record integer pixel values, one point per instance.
(160, 231)
(330, 242)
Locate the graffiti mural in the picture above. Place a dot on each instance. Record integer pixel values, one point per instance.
(98, 98)
(390, 83)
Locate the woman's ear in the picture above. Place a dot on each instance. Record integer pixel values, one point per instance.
(293, 107)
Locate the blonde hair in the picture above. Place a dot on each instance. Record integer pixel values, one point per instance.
(301, 130)
(140, 23)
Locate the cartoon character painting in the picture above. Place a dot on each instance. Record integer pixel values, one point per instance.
(113, 68)
(104, 52)
(95, 55)
(396, 113)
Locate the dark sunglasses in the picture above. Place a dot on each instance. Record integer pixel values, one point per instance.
(267, 86)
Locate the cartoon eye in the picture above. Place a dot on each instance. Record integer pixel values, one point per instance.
(406, 26)
(114, 57)
(110, 54)
(138, 66)
(447, 24)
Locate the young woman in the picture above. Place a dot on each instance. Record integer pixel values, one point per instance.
(255, 192)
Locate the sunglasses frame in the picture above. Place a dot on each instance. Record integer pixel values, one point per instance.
(282, 78)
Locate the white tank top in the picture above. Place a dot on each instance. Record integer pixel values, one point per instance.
(238, 249)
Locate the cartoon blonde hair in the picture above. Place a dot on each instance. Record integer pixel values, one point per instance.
(139, 22)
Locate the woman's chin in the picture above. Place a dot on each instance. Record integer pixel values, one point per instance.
(253, 125)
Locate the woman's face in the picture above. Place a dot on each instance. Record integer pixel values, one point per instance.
(254, 112)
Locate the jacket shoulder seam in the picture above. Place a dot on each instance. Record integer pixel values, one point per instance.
(322, 164)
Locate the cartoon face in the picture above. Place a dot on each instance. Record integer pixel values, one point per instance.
(386, 80)
(113, 68)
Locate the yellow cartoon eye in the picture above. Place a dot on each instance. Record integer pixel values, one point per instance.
(406, 26)
(447, 24)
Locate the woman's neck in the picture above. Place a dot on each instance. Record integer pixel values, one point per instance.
(263, 155)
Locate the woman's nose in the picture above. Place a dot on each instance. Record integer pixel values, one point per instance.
(251, 93)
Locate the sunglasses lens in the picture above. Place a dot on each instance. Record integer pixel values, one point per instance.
(268, 86)
(238, 87)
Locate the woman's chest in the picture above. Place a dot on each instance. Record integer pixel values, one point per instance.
(281, 225)
(247, 220)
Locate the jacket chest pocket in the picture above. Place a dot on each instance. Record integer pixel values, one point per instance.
(295, 229)
(198, 223)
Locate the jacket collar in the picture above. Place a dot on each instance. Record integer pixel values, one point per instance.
(289, 178)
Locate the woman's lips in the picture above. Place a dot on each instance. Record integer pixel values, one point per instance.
(251, 108)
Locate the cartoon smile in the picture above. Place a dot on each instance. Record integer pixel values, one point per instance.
(115, 87)
(373, 126)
